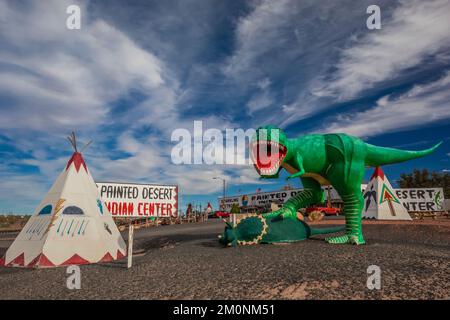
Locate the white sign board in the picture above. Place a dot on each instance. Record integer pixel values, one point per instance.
(419, 199)
(263, 199)
(139, 200)
(258, 199)
(422, 199)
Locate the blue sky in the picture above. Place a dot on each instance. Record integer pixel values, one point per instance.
(137, 70)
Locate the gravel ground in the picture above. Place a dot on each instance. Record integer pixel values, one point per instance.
(187, 262)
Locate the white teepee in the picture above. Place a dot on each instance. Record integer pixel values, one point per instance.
(71, 225)
(380, 200)
(209, 208)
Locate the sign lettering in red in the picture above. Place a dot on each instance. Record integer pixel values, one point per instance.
(139, 200)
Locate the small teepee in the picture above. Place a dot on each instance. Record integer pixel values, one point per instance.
(380, 200)
(209, 208)
(70, 226)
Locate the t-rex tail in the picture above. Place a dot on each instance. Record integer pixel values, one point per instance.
(316, 231)
(378, 156)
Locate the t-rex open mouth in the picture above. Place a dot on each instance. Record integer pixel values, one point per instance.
(267, 156)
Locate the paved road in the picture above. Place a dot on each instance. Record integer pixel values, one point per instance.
(187, 262)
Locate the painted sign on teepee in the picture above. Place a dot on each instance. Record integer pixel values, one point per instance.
(381, 201)
(70, 226)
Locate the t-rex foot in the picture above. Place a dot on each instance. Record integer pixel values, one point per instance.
(353, 239)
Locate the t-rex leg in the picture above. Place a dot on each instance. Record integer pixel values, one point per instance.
(312, 193)
(349, 188)
(353, 204)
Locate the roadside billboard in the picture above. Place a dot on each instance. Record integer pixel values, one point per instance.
(422, 199)
(128, 200)
(414, 200)
(263, 199)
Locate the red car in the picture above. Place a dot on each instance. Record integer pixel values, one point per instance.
(221, 214)
(328, 211)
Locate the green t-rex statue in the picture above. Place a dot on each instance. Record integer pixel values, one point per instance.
(323, 159)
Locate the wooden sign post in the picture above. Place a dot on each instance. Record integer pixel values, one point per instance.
(130, 244)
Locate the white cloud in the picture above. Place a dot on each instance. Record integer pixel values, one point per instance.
(415, 31)
(257, 34)
(62, 78)
(54, 80)
(263, 31)
(420, 106)
(262, 98)
(259, 101)
(413, 34)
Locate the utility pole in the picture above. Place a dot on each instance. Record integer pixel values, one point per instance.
(232, 217)
(224, 186)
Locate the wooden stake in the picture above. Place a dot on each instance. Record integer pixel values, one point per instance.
(130, 244)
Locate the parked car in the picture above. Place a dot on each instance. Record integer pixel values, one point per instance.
(328, 211)
(221, 214)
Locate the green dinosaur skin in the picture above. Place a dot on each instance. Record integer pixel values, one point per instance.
(285, 230)
(337, 159)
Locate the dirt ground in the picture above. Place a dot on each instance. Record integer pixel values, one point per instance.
(187, 262)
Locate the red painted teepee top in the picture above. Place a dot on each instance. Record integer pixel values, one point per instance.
(378, 173)
(78, 160)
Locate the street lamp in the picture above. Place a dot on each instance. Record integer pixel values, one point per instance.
(224, 182)
(223, 196)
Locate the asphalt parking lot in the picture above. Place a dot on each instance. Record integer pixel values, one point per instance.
(187, 262)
